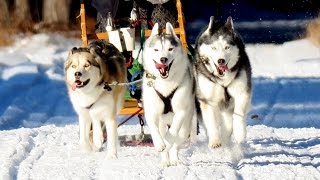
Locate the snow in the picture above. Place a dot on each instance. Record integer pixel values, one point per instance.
(39, 128)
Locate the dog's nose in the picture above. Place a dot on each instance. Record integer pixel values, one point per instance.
(77, 74)
(163, 60)
(221, 61)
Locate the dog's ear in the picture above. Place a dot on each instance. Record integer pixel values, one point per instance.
(229, 23)
(155, 30)
(169, 29)
(93, 51)
(68, 60)
(73, 50)
(210, 26)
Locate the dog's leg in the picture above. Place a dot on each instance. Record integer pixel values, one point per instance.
(84, 128)
(179, 118)
(182, 137)
(212, 121)
(239, 117)
(227, 124)
(112, 142)
(194, 127)
(153, 124)
(173, 155)
(97, 135)
(164, 159)
(163, 128)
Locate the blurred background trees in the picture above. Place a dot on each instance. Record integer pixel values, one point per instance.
(33, 15)
(56, 11)
(60, 15)
(4, 14)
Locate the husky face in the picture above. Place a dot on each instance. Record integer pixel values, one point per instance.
(161, 51)
(82, 70)
(218, 48)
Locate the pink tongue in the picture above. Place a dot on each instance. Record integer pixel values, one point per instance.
(223, 68)
(74, 86)
(160, 66)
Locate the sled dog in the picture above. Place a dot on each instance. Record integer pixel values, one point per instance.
(88, 71)
(223, 82)
(168, 93)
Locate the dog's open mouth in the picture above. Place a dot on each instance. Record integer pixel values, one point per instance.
(79, 84)
(222, 69)
(163, 69)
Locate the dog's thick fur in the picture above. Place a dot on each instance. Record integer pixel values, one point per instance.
(87, 70)
(168, 93)
(223, 78)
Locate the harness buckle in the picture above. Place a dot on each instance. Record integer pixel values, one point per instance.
(151, 76)
(150, 83)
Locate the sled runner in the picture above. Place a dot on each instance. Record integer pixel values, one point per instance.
(132, 106)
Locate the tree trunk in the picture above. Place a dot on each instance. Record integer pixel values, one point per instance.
(56, 11)
(4, 14)
(22, 14)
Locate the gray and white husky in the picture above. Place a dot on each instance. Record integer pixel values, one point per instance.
(168, 93)
(223, 82)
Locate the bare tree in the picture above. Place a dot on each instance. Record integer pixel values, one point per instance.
(56, 11)
(22, 14)
(4, 14)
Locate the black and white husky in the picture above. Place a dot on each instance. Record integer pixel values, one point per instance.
(168, 92)
(223, 78)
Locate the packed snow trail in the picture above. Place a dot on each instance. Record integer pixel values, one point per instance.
(39, 129)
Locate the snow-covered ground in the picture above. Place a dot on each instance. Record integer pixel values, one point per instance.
(39, 129)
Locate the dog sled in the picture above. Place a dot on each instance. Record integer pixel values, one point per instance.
(132, 106)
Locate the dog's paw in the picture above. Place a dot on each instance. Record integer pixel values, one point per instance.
(239, 136)
(214, 143)
(240, 132)
(97, 147)
(160, 147)
(239, 139)
(165, 163)
(176, 162)
(97, 139)
(86, 147)
(111, 156)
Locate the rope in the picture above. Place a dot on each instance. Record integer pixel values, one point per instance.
(132, 83)
(115, 83)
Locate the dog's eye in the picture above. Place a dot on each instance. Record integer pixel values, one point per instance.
(87, 65)
(214, 48)
(227, 47)
(156, 49)
(206, 61)
(170, 49)
(73, 66)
